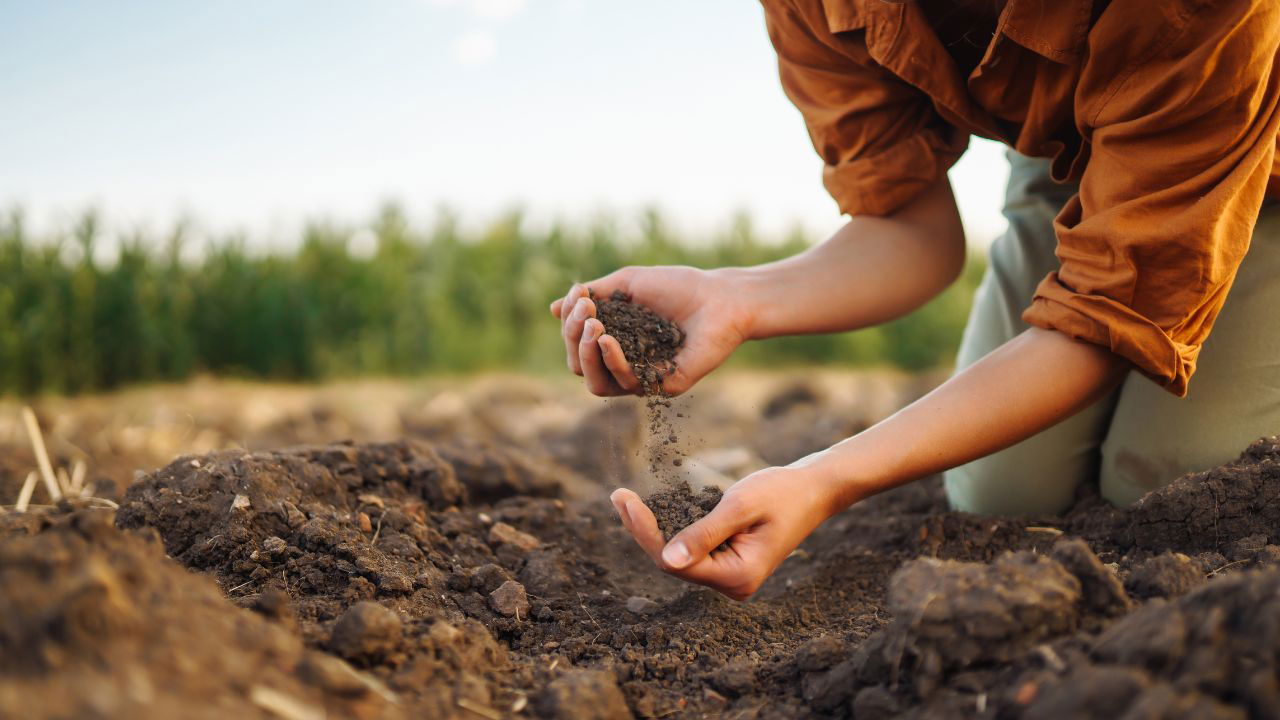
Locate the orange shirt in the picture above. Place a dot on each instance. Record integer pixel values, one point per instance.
(1167, 112)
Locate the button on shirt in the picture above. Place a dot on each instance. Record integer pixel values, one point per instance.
(1167, 112)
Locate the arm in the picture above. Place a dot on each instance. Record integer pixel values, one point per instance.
(872, 270)
(1029, 384)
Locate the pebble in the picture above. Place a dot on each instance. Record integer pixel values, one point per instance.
(502, 533)
(641, 605)
(241, 502)
(366, 525)
(510, 600)
(274, 546)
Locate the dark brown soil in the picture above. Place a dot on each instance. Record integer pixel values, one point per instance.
(435, 580)
(649, 341)
(677, 506)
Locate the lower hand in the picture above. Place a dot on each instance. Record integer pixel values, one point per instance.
(712, 311)
(761, 519)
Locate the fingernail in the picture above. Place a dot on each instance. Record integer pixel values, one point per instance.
(625, 513)
(676, 555)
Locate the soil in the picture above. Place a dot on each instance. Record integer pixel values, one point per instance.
(649, 341)
(678, 506)
(452, 579)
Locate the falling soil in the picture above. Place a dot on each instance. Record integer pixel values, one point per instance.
(417, 579)
(650, 343)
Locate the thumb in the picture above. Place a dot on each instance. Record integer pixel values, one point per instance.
(696, 542)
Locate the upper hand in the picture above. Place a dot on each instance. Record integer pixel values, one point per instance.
(712, 312)
(761, 518)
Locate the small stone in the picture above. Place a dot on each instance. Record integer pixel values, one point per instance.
(641, 605)
(502, 533)
(371, 500)
(510, 600)
(366, 629)
(484, 518)
(366, 525)
(293, 516)
(241, 502)
(274, 546)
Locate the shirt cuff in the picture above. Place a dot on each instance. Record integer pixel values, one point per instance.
(880, 184)
(1103, 321)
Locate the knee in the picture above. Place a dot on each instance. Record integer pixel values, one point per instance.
(1001, 484)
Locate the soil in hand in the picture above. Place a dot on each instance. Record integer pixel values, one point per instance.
(649, 341)
(677, 506)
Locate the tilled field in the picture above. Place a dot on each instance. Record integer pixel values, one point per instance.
(452, 578)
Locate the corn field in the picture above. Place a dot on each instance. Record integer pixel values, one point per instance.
(436, 299)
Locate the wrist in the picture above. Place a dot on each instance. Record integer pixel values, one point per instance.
(743, 291)
(845, 473)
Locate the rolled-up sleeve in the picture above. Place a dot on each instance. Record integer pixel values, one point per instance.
(1182, 142)
(880, 139)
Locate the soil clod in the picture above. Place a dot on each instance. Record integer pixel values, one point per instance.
(510, 600)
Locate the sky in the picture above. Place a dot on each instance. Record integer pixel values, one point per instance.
(258, 116)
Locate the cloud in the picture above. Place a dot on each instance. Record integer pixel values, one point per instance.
(475, 48)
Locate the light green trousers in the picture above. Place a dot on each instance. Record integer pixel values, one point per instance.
(1140, 437)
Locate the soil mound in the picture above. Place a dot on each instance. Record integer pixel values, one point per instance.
(99, 623)
(461, 581)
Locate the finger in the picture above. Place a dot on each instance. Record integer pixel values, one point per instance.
(694, 544)
(599, 381)
(619, 279)
(555, 307)
(583, 308)
(616, 362)
(640, 522)
(566, 303)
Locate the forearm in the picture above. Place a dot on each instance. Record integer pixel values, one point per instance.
(872, 270)
(1023, 387)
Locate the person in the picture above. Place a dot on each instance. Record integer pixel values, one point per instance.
(1143, 160)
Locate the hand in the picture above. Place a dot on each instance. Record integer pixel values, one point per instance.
(761, 518)
(711, 310)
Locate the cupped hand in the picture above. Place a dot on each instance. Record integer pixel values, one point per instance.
(761, 519)
(713, 312)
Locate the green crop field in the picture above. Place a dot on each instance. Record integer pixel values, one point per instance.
(422, 300)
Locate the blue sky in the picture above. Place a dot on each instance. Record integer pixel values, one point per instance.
(258, 115)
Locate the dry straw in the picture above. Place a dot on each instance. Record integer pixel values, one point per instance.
(59, 483)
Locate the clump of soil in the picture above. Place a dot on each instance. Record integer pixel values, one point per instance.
(649, 341)
(95, 622)
(677, 506)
